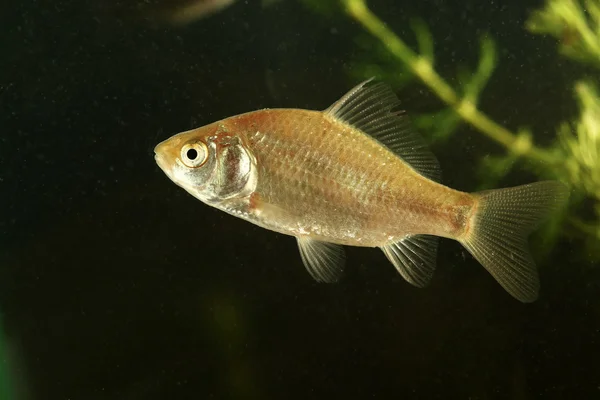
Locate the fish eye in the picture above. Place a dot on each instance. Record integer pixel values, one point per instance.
(194, 155)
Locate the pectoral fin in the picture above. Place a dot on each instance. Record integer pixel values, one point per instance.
(414, 257)
(324, 261)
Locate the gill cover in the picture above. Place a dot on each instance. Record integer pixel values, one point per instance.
(234, 171)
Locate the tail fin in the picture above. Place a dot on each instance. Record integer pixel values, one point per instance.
(498, 229)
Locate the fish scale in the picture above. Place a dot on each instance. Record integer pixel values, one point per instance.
(358, 207)
(356, 174)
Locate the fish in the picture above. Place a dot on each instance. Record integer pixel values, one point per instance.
(195, 10)
(357, 174)
(184, 13)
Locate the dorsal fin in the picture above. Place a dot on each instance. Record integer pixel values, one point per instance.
(373, 108)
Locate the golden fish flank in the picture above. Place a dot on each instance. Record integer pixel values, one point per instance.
(355, 174)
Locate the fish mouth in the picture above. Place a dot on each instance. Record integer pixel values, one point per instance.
(158, 148)
(161, 162)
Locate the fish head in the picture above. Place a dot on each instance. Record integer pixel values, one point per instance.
(211, 163)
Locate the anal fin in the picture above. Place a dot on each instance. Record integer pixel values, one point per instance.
(324, 261)
(414, 257)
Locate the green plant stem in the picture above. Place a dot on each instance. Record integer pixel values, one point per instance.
(519, 144)
(422, 68)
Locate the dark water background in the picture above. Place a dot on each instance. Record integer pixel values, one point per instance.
(116, 284)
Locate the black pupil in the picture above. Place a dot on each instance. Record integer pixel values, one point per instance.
(192, 154)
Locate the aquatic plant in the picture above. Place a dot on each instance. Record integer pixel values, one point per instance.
(575, 24)
(574, 157)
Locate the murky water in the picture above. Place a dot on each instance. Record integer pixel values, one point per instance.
(116, 284)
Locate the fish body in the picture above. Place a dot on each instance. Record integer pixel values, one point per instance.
(325, 180)
(197, 9)
(355, 174)
(184, 12)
